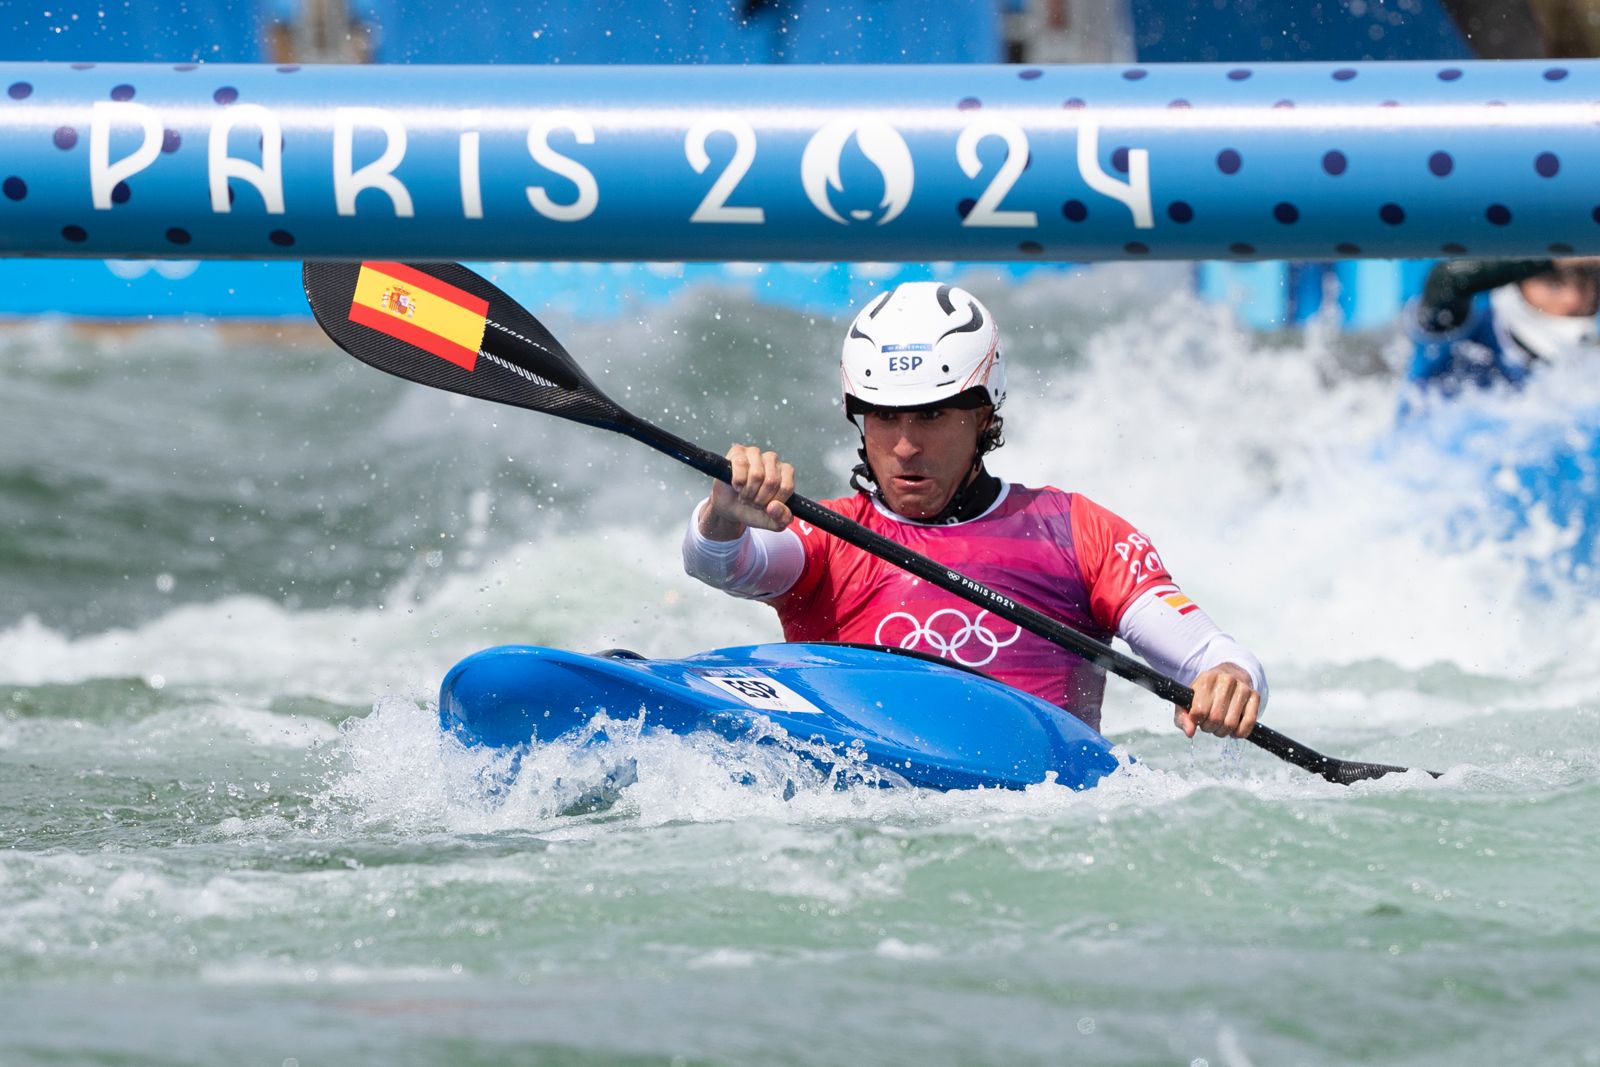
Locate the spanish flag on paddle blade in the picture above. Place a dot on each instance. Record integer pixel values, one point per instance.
(420, 310)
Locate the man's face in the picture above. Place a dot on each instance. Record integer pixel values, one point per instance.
(1567, 290)
(921, 458)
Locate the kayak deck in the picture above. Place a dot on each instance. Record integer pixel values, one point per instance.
(928, 723)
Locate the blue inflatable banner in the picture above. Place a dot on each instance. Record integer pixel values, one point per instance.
(1311, 161)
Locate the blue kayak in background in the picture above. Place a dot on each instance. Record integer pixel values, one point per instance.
(1511, 468)
(915, 717)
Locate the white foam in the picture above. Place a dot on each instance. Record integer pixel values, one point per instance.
(554, 590)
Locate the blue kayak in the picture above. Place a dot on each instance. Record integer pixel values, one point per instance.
(916, 717)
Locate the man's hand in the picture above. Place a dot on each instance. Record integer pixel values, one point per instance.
(1224, 704)
(755, 497)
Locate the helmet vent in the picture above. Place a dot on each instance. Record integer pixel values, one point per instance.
(975, 324)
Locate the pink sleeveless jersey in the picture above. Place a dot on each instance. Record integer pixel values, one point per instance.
(1057, 552)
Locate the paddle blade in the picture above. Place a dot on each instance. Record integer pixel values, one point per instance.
(441, 325)
(1337, 771)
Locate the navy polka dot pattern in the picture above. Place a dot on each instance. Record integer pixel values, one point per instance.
(1244, 160)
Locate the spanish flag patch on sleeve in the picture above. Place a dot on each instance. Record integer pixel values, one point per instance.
(420, 310)
(1173, 598)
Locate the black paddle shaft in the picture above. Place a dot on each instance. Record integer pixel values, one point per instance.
(519, 362)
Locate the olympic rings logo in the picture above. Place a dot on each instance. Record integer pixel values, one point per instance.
(949, 640)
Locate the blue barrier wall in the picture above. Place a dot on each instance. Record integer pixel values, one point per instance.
(685, 31)
(1290, 31)
(528, 31)
(191, 31)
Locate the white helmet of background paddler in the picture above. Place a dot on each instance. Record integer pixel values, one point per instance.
(922, 345)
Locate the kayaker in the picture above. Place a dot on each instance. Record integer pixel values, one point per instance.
(1536, 312)
(924, 381)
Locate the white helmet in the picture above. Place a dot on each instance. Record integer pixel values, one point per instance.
(921, 345)
(1551, 337)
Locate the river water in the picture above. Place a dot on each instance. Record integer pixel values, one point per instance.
(235, 564)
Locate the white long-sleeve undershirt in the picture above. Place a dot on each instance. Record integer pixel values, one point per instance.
(757, 565)
(1184, 646)
(761, 564)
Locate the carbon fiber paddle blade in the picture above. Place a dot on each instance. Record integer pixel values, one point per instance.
(1337, 771)
(441, 325)
(1343, 772)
